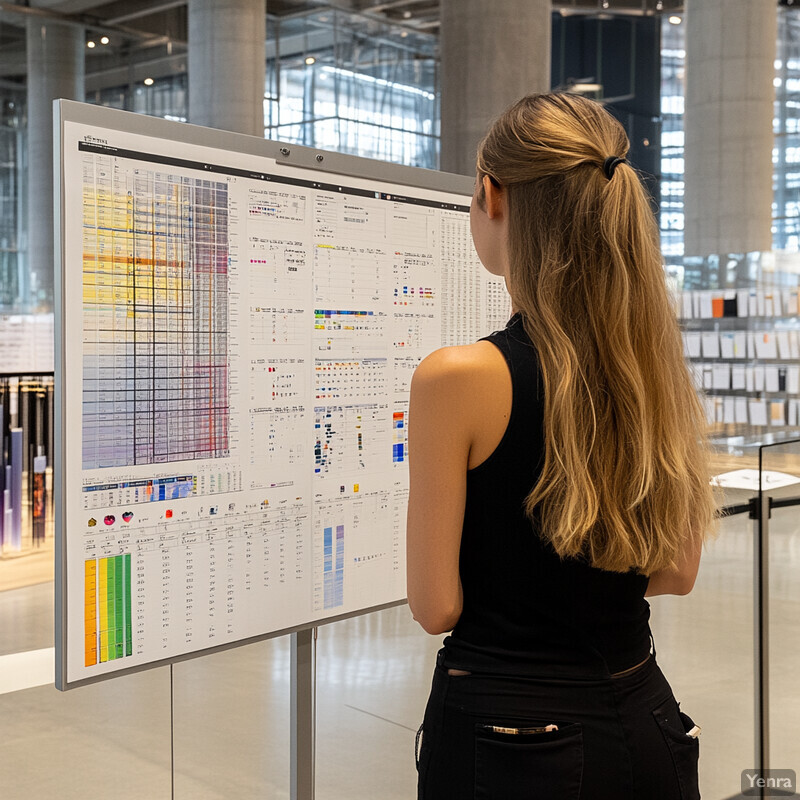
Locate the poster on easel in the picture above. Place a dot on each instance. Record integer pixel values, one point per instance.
(236, 336)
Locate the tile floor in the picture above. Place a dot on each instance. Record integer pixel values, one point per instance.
(231, 710)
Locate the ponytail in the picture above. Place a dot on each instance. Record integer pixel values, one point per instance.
(625, 476)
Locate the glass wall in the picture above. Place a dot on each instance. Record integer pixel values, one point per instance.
(13, 154)
(673, 75)
(166, 97)
(335, 80)
(354, 85)
(786, 154)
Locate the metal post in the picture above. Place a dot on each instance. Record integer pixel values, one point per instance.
(761, 633)
(302, 715)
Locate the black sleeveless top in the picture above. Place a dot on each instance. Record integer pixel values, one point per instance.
(527, 612)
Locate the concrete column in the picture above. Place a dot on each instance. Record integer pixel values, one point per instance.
(55, 58)
(730, 54)
(492, 53)
(227, 64)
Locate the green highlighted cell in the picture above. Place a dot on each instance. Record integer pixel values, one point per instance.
(110, 593)
(128, 614)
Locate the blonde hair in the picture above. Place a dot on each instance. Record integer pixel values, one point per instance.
(625, 477)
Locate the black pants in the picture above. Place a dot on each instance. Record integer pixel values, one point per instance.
(618, 738)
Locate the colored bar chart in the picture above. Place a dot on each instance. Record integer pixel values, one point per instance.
(333, 567)
(107, 609)
(155, 316)
(399, 437)
(90, 611)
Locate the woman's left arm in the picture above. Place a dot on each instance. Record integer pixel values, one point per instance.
(439, 440)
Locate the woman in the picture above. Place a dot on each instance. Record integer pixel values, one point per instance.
(559, 475)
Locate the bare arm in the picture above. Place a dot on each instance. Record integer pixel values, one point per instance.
(680, 581)
(459, 410)
(438, 443)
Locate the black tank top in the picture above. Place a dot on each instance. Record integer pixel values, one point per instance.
(527, 612)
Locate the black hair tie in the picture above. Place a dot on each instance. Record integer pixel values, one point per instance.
(610, 164)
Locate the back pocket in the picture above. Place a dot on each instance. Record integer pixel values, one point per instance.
(530, 764)
(685, 749)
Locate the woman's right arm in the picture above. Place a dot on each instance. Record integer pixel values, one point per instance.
(681, 580)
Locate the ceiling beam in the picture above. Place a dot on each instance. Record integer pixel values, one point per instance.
(145, 12)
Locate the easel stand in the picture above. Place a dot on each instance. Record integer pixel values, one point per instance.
(303, 655)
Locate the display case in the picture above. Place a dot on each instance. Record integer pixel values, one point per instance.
(26, 504)
(741, 334)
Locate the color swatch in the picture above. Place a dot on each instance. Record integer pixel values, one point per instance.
(107, 609)
(333, 567)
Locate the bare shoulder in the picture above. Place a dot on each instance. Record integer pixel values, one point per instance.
(464, 394)
(462, 366)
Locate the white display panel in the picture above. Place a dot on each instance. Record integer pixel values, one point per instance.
(238, 340)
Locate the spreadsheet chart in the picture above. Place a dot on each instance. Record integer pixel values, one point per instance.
(155, 338)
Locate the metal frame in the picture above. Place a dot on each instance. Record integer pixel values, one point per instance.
(765, 504)
(760, 511)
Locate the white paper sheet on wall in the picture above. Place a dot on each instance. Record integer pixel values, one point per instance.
(757, 410)
(686, 305)
(782, 340)
(727, 341)
(766, 345)
(710, 341)
(771, 379)
(759, 376)
(789, 297)
(751, 345)
(793, 380)
(742, 302)
(737, 377)
(692, 344)
(729, 411)
(721, 376)
(741, 410)
(794, 344)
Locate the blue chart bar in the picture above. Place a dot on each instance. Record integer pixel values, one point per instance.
(399, 438)
(333, 572)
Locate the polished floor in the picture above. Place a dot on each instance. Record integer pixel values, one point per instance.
(230, 711)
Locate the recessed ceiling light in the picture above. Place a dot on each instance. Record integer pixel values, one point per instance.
(675, 19)
(659, 6)
(404, 34)
(90, 44)
(310, 60)
(104, 40)
(406, 15)
(148, 81)
(605, 3)
(580, 88)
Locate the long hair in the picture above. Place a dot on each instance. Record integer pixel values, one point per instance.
(625, 476)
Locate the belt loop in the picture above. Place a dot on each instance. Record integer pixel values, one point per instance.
(440, 657)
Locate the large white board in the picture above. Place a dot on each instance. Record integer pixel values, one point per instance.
(237, 339)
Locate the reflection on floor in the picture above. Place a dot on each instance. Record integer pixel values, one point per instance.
(231, 710)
